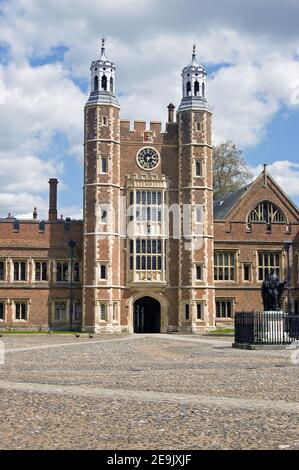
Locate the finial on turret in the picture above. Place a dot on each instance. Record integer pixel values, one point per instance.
(194, 52)
(103, 45)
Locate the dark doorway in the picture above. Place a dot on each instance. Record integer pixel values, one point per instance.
(147, 315)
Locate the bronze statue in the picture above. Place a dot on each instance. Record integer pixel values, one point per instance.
(272, 290)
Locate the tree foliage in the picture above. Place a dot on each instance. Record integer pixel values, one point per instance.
(230, 170)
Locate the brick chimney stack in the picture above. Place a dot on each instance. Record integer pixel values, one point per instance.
(171, 113)
(53, 199)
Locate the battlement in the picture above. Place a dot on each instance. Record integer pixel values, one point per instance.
(140, 126)
(145, 132)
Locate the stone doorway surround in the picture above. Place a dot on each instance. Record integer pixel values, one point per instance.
(147, 315)
(164, 306)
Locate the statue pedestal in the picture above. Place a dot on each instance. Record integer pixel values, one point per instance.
(274, 327)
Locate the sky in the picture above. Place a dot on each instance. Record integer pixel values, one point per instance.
(249, 48)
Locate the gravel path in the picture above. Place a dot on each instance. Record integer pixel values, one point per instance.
(145, 392)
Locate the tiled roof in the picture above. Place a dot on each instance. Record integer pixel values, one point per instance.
(223, 205)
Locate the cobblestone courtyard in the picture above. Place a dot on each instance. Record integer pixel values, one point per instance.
(145, 392)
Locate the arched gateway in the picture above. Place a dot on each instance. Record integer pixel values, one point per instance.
(147, 315)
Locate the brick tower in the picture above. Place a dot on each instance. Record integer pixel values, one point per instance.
(148, 278)
(101, 251)
(196, 285)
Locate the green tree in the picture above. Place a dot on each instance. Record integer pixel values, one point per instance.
(230, 170)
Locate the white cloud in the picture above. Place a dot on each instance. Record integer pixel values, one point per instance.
(241, 110)
(255, 46)
(39, 103)
(27, 173)
(285, 173)
(75, 212)
(19, 203)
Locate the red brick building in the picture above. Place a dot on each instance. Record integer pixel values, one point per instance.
(151, 253)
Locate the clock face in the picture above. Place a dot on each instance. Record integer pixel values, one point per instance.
(148, 158)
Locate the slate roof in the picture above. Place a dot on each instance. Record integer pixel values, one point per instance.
(223, 205)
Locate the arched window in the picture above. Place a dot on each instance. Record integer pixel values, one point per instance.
(111, 85)
(104, 82)
(188, 88)
(96, 83)
(204, 90)
(266, 212)
(196, 88)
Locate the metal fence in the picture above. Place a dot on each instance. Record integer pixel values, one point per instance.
(266, 328)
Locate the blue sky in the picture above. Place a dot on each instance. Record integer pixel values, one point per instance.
(45, 53)
(280, 141)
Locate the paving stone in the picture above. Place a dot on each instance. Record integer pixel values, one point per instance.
(146, 363)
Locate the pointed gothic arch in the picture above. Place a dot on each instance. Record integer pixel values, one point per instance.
(188, 88)
(196, 88)
(268, 213)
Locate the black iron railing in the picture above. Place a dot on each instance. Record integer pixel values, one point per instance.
(262, 328)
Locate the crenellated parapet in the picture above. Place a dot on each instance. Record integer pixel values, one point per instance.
(141, 131)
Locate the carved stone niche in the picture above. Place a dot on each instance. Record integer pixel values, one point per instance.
(148, 136)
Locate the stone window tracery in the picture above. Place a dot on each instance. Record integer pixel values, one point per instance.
(266, 212)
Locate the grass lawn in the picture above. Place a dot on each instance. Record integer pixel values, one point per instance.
(222, 331)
